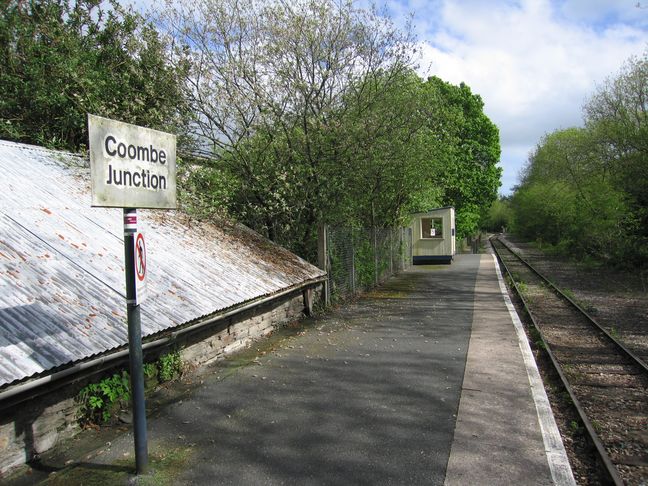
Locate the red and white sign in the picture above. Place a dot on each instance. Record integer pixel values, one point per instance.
(130, 223)
(140, 267)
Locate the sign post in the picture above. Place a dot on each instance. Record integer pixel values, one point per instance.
(135, 353)
(133, 167)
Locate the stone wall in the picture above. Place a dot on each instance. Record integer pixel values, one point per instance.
(36, 425)
(31, 428)
(238, 331)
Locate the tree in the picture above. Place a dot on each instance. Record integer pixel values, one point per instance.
(568, 197)
(585, 189)
(389, 165)
(497, 218)
(315, 114)
(617, 116)
(465, 145)
(60, 60)
(273, 100)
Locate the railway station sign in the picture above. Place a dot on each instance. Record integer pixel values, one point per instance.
(131, 166)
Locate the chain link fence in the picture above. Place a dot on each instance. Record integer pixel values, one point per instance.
(361, 258)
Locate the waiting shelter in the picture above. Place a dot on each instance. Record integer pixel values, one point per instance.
(433, 236)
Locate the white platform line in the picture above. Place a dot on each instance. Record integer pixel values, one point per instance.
(556, 455)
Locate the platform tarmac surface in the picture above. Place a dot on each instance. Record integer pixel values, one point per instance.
(371, 393)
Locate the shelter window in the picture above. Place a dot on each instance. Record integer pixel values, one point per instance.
(431, 228)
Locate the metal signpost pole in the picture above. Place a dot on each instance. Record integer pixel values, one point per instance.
(133, 167)
(135, 343)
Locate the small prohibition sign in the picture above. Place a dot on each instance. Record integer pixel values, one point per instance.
(140, 261)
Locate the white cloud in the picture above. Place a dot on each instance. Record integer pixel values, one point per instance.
(533, 62)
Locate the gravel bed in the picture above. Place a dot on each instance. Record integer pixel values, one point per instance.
(617, 299)
(619, 303)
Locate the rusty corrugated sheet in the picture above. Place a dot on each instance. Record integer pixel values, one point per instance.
(61, 266)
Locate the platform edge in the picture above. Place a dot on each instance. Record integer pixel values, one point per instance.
(561, 471)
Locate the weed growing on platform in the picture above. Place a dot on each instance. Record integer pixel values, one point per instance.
(150, 370)
(169, 366)
(166, 465)
(100, 402)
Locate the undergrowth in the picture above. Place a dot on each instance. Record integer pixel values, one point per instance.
(100, 403)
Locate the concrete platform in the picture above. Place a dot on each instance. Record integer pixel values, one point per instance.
(423, 381)
(505, 429)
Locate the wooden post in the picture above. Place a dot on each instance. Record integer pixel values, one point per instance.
(308, 301)
(322, 260)
(375, 251)
(401, 247)
(353, 269)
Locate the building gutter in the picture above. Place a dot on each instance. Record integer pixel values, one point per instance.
(26, 391)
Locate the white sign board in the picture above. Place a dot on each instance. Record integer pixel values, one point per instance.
(131, 166)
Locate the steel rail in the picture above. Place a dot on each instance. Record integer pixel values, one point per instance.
(609, 468)
(636, 359)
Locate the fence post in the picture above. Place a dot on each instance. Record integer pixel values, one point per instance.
(401, 247)
(375, 252)
(322, 260)
(391, 252)
(353, 269)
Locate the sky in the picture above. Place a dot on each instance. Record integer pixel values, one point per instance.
(534, 62)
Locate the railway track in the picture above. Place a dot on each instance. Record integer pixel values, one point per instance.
(607, 383)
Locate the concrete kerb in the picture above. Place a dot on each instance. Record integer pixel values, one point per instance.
(556, 455)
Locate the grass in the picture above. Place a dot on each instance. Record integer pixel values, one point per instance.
(589, 308)
(575, 427)
(567, 397)
(572, 372)
(165, 467)
(569, 293)
(387, 294)
(534, 334)
(597, 427)
(515, 279)
(522, 287)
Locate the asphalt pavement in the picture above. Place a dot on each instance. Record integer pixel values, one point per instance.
(368, 393)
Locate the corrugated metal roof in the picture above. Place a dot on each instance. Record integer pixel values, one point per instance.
(61, 266)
